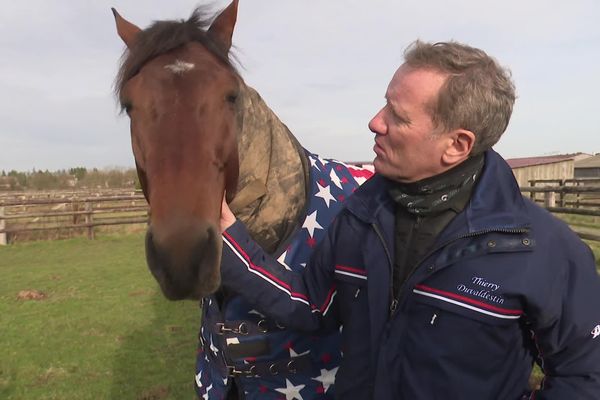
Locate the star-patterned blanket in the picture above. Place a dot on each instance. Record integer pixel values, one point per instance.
(265, 345)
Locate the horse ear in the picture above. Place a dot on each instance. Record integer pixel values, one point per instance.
(222, 27)
(126, 30)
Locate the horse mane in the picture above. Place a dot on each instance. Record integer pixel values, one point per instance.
(164, 36)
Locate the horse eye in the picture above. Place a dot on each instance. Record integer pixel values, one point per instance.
(232, 98)
(127, 106)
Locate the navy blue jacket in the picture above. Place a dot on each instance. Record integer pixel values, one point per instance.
(505, 284)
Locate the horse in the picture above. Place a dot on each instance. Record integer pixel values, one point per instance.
(200, 134)
(186, 103)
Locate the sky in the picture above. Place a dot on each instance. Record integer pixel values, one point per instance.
(322, 66)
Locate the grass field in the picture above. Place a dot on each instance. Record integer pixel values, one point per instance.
(102, 331)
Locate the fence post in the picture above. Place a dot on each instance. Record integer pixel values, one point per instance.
(3, 241)
(532, 193)
(89, 220)
(549, 199)
(562, 195)
(75, 206)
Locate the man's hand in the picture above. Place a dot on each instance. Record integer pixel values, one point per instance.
(227, 217)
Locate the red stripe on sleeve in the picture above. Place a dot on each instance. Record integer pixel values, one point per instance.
(261, 270)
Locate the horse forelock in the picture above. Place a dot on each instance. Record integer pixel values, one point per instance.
(164, 36)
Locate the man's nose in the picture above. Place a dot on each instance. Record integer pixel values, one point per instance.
(377, 123)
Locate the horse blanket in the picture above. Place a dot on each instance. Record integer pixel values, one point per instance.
(266, 360)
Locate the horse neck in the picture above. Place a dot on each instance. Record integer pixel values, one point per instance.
(274, 169)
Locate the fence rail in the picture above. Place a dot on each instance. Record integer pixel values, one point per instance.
(565, 182)
(88, 199)
(83, 212)
(33, 215)
(561, 189)
(569, 192)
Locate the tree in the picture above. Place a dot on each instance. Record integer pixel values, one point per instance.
(78, 172)
(21, 178)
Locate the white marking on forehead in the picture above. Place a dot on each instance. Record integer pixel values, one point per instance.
(179, 67)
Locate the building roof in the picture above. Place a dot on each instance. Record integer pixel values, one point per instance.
(530, 161)
(590, 162)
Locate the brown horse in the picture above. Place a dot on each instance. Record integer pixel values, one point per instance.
(198, 132)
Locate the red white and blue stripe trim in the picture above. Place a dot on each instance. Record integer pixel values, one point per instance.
(351, 271)
(468, 303)
(273, 280)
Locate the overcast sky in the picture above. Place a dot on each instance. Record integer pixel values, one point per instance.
(322, 66)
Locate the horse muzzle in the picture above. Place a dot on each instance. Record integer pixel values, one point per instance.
(185, 261)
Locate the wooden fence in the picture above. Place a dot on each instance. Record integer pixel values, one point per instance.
(22, 215)
(568, 196)
(40, 215)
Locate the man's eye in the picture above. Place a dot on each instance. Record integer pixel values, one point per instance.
(400, 120)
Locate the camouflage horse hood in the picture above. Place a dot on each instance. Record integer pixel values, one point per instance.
(272, 185)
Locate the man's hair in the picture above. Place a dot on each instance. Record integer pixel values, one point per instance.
(478, 94)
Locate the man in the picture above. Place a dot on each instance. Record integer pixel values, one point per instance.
(446, 282)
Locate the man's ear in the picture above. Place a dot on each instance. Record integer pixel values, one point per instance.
(461, 142)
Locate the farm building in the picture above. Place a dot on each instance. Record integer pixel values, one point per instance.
(588, 167)
(560, 166)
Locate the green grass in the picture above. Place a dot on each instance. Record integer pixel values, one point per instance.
(595, 246)
(587, 224)
(103, 331)
(586, 221)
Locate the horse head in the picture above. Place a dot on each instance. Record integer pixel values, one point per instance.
(180, 91)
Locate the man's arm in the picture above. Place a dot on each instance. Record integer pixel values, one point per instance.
(567, 332)
(297, 301)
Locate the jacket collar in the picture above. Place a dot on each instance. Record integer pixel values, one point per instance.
(368, 201)
(496, 202)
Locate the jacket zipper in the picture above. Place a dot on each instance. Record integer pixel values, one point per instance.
(441, 246)
(414, 226)
(393, 301)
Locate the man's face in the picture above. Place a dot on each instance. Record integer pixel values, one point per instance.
(407, 146)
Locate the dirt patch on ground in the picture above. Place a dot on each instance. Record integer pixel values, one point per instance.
(95, 333)
(51, 374)
(120, 338)
(141, 292)
(155, 393)
(31, 294)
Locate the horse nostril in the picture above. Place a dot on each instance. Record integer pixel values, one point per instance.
(220, 165)
(204, 251)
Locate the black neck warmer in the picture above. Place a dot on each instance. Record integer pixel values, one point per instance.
(435, 194)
